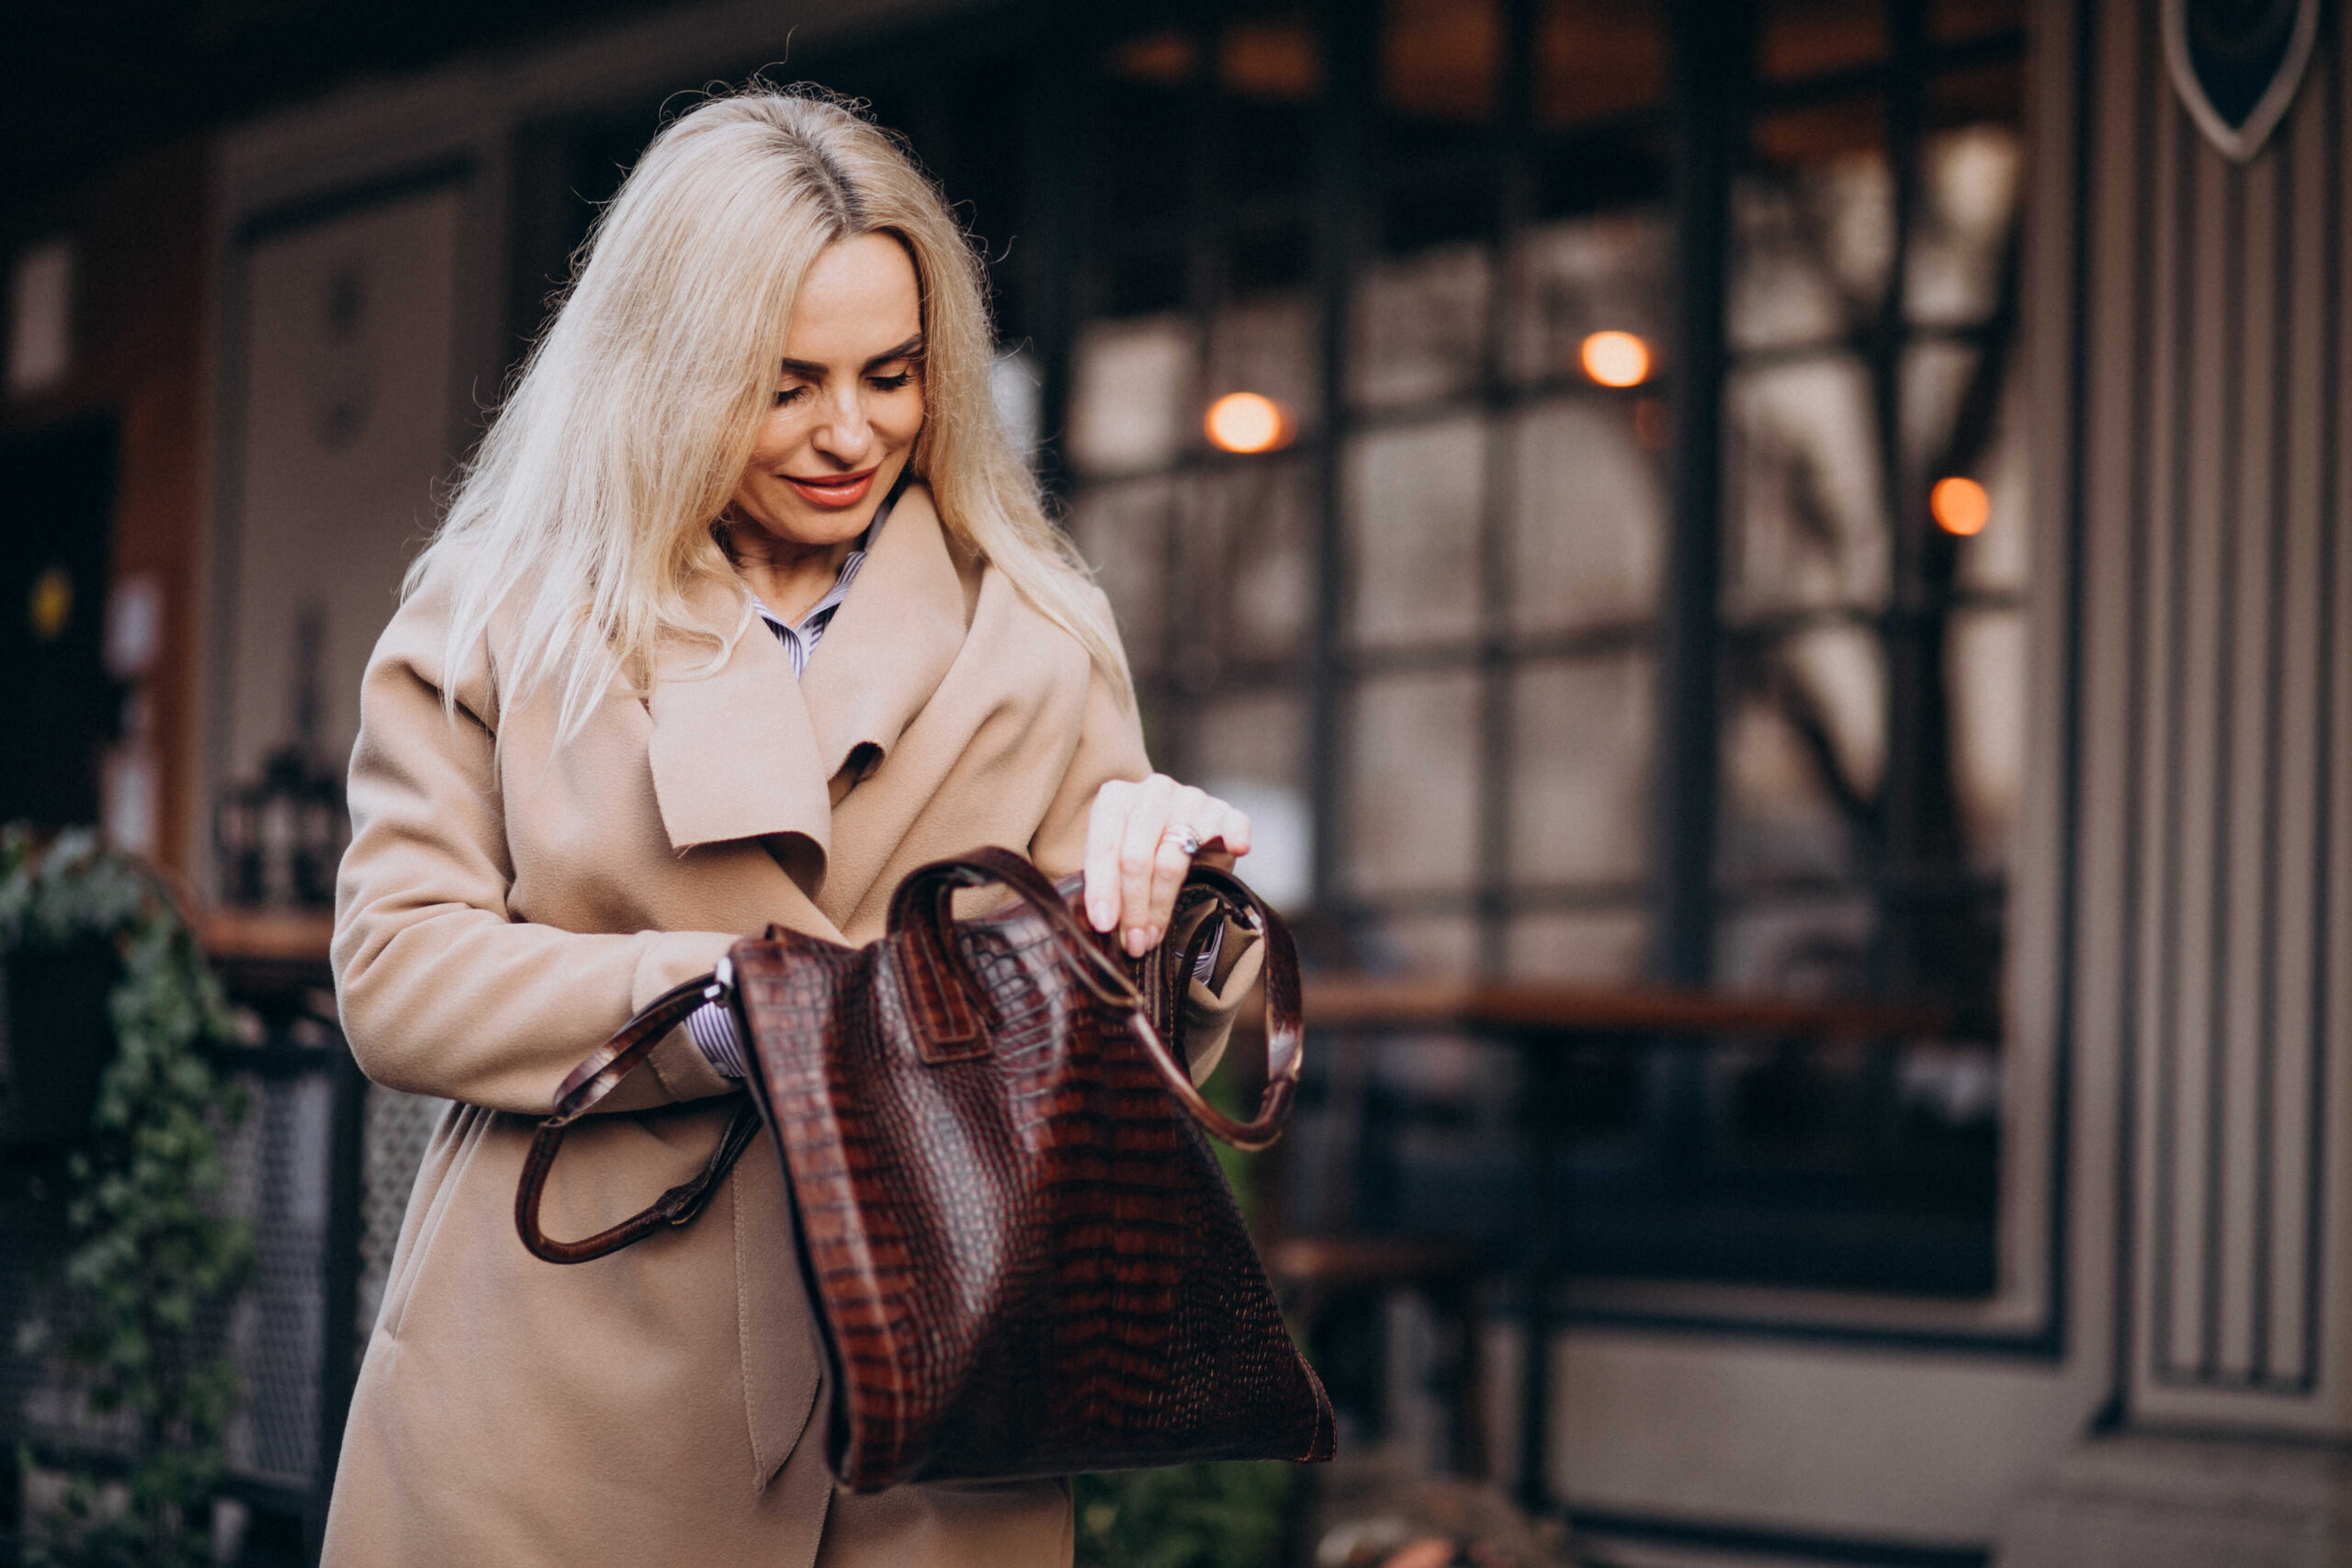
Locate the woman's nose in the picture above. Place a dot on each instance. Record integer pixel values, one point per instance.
(844, 434)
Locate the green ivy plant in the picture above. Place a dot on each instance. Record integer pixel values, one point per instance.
(153, 1264)
(1190, 1516)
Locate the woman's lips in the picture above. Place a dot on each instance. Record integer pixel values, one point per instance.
(835, 492)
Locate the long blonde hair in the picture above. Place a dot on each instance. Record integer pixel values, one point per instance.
(585, 515)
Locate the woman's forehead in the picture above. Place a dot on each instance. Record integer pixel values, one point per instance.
(858, 299)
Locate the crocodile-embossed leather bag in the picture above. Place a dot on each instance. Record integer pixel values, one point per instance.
(1023, 1256)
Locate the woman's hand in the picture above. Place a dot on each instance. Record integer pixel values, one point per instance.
(1137, 853)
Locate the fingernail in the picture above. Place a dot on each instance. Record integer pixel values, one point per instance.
(1138, 942)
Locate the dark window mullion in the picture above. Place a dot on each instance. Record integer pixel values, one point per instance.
(1515, 183)
(1711, 61)
(1347, 35)
(1916, 711)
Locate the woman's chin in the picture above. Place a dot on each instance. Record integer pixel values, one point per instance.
(799, 521)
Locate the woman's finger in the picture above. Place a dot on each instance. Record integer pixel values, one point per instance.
(1233, 828)
(1190, 811)
(1139, 850)
(1106, 828)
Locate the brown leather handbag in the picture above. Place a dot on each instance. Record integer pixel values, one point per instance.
(1024, 1258)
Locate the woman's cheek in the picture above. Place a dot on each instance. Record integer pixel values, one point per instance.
(910, 419)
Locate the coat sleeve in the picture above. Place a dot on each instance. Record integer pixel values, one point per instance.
(1110, 745)
(443, 991)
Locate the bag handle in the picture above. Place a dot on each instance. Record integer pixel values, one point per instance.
(920, 909)
(588, 1084)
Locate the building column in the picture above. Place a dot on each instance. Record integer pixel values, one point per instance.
(2209, 316)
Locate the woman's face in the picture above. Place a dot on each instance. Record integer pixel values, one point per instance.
(848, 402)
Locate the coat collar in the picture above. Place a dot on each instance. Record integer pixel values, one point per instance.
(890, 643)
(745, 751)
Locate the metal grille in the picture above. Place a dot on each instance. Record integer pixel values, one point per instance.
(278, 1182)
(398, 1128)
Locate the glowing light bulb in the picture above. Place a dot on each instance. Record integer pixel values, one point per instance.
(1960, 506)
(1616, 359)
(1247, 421)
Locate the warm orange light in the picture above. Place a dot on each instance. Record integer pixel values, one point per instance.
(1960, 506)
(1616, 359)
(1246, 422)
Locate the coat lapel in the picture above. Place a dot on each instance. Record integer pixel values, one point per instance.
(891, 641)
(732, 752)
(745, 751)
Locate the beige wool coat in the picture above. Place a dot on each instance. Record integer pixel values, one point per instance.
(507, 901)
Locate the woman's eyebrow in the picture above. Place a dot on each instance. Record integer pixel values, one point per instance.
(910, 349)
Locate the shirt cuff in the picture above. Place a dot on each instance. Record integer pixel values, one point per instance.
(712, 1027)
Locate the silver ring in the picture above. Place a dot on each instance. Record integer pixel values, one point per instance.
(1186, 839)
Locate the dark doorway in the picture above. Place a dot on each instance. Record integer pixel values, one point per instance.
(57, 706)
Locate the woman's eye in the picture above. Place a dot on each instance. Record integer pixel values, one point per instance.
(789, 395)
(890, 383)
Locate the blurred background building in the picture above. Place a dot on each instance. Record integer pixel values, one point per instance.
(1766, 567)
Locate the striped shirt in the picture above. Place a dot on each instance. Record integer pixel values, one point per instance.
(799, 638)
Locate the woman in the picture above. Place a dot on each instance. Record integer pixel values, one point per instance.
(745, 609)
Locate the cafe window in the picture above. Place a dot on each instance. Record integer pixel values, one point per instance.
(1356, 342)
(1412, 612)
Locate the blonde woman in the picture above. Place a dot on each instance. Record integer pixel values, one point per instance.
(745, 609)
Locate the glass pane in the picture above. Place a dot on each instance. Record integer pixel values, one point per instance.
(2000, 558)
(1414, 498)
(1987, 671)
(1582, 738)
(1951, 21)
(1818, 948)
(1598, 58)
(1588, 541)
(1807, 522)
(1421, 326)
(1258, 737)
(1268, 343)
(1969, 184)
(1443, 945)
(1580, 948)
(1939, 385)
(1804, 747)
(1122, 530)
(1132, 394)
(1246, 547)
(1814, 225)
(1251, 750)
(1412, 791)
(1605, 273)
(1808, 38)
(1437, 58)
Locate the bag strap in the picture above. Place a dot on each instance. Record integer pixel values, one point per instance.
(588, 1084)
(1285, 1041)
(920, 908)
